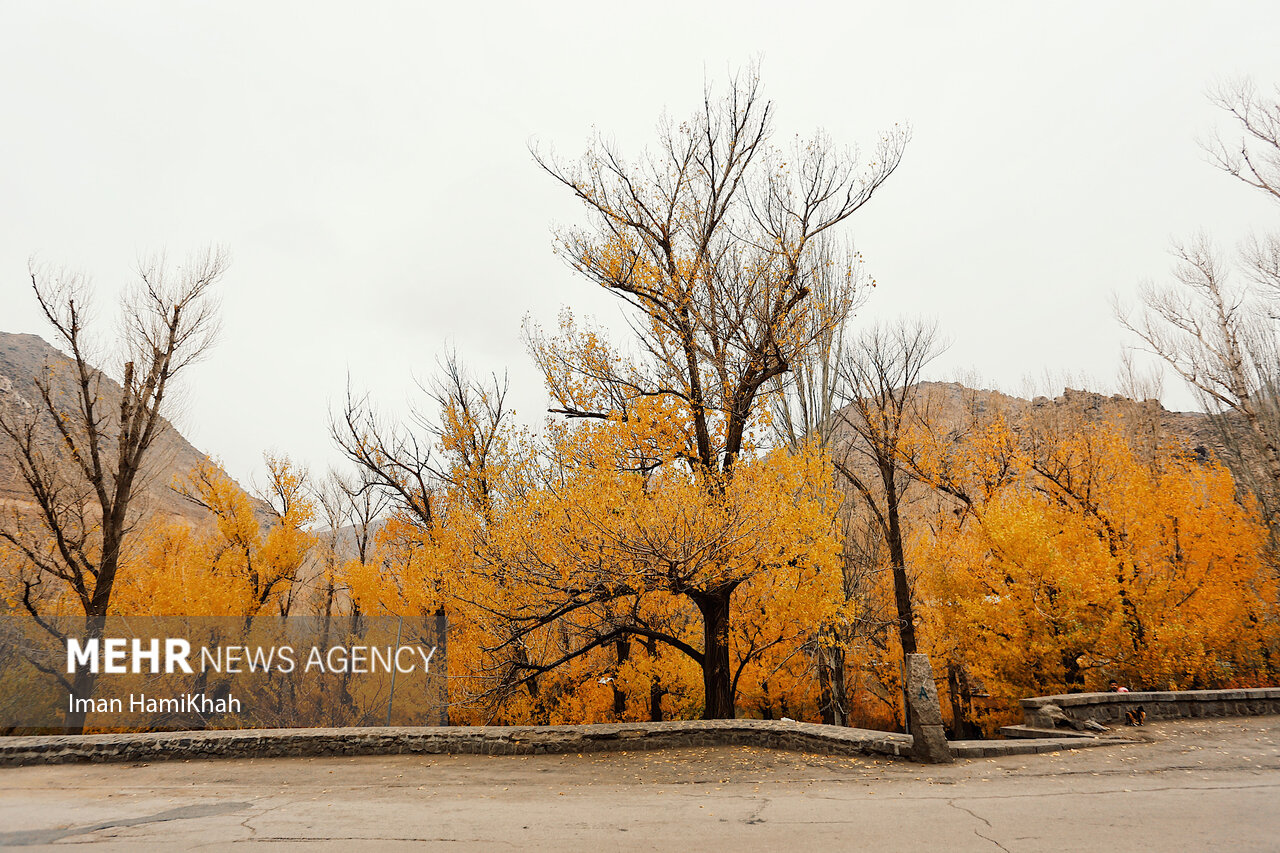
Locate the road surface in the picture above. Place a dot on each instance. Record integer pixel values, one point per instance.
(1198, 785)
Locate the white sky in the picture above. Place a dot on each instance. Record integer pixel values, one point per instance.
(367, 165)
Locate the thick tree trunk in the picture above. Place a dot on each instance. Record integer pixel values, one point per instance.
(655, 702)
(81, 688)
(901, 584)
(717, 677)
(84, 683)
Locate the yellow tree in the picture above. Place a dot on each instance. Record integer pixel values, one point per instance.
(260, 562)
(1187, 558)
(711, 243)
(1084, 560)
(603, 552)
(232, 579)
(440, 483)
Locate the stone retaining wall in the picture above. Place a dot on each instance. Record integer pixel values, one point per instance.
(482, 740)
(1110, 708)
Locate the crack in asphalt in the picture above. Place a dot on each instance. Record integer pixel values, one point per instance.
(264, 810)
(315, 839)
(977, 816)
(1112, 791)
(969, 812)
(26, 838)
(754, 817)
(1108, 791)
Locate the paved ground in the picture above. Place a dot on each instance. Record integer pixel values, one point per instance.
(1198, 785)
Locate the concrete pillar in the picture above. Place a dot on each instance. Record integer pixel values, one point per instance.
(929, 744)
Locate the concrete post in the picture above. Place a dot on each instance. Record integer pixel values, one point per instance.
(929, 744)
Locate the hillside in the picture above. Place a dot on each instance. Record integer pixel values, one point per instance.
(952, 409)
(22, 357)
(1193, 431)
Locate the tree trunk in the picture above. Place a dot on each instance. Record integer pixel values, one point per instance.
(81, 688)
(766, 702)
(324, 707)
(961, 703)
(897, 557)
(831, 682)
(441, 663)
(656, 690)
(623, 648)
(717, 677)
(327, 625)
(825, 701)
(1071, 672)
(84, 683)
(655, 702)
(901, 584)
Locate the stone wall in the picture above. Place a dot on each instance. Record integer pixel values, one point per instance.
(1110, 708)
(532, 740)
(482, 740)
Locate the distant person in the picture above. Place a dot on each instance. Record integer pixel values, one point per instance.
(1118, 688)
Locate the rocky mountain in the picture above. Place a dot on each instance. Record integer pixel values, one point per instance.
(22, 358)
(1196, 432)
(952, 409)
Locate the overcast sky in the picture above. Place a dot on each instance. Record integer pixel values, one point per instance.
(367, 164)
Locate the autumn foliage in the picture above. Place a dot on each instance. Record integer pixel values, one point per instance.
(653, 549)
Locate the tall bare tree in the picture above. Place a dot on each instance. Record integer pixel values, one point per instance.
(352, 508)
(82, 449)
(880, 378)
(1220, 334)
(408, 466)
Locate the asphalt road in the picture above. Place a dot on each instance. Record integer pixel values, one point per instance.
(1198, 785)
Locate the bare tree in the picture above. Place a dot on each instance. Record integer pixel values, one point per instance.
(880, 378)
(408, 469)
(410, 465)
(82, 450)
(1220, 335)
(352, 507)
(806, 398)
(390, 458)
(1254, 155)
(351, 510)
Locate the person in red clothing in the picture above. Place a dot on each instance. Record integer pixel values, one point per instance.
(1136, 717)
